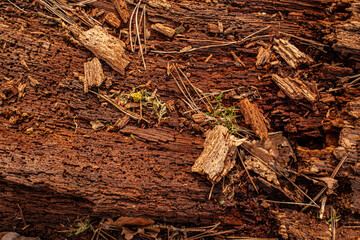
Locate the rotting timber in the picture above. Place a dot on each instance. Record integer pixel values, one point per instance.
(55, 166)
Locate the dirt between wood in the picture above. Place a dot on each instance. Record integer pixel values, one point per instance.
(97, 143)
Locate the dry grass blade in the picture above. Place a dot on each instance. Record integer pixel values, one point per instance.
(333, 223)
(246, 170)
(209, 234)
(132, 46)
(191, 104)
(218, 45)
(282, 174)
(138, 34)
(198, 91)
(123, 110)
(290, 203)
(17, 6)
(57, 10)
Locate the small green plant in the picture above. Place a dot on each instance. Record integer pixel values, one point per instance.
(226, 116)
(81, 227)
(147, 99)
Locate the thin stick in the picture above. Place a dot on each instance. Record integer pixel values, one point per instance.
(130, 114)
(17, 6)
(332, 176)
(217, 45)
(333, 223)
(211, 190)
(291, 203)
(22, 216)
(246, 170)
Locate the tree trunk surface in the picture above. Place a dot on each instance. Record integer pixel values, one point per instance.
(54, 166)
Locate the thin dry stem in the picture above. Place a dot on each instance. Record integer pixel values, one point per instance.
(246, 170)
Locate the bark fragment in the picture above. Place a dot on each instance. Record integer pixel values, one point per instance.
(291, 54)
(113, 20)
(167, 31)
(218, 156)
(254, 117)
(94, 75)
(294, 88)
(104, 46)
(121, 8)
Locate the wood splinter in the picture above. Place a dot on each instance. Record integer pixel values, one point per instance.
(254, 118)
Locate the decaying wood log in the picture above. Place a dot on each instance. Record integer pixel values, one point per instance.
(218, 156)
(104, 46)
(94, 75)
(121, 8)
(294, 88)
(254, 117)
(291, 54)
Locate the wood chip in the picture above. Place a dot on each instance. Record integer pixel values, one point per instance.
(121, 8)
(254, 118)
(263, 57)
(113, 20)
(291, 54)
(94, 75)
(353, 108)
(218, 156)
(104, 46)
(294, 88)
(167, 31)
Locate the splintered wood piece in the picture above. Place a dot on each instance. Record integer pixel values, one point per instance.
(291, 54)
(254, 118)
(121, 8)
(294, 88)
(263, 56)
(353, 108)
(113, 20)
(218, 156)
(167, 31)
(94, 75)
(104, 46)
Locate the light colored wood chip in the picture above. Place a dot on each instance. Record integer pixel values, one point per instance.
(263, 56)
(291, 54)
(94, 75)
(104, 46)
(167, 31)
(294, 88)
(218, 156)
